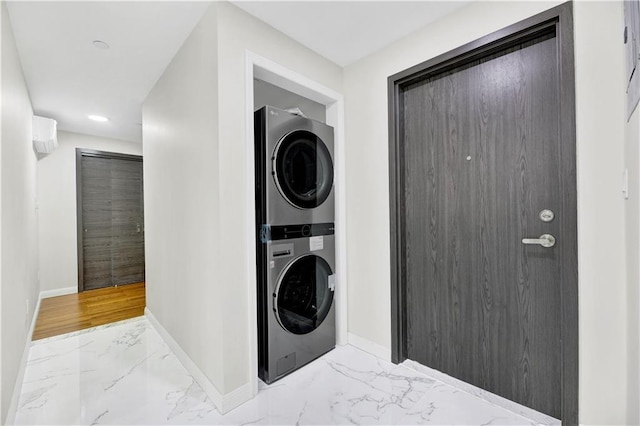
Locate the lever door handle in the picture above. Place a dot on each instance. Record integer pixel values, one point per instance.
(545, 240)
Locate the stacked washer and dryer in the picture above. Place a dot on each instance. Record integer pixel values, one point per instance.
(295, 241)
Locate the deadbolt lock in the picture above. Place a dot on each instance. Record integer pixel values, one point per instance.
(546, 215)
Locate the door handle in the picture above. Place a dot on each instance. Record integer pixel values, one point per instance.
(545, 240)
(138, 227)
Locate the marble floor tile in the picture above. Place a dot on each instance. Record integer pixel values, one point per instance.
(124, 373)
(537, 417)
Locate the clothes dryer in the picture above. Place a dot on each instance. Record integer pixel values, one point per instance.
(294, 169)
(296, 314)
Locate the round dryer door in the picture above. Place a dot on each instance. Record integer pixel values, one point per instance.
(303, 169)
(303, 297)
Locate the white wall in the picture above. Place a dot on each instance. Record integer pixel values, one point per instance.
(632, 163)
(57, 214)
(180, 146)
(18, 244)
(600, 147)
(600, 114)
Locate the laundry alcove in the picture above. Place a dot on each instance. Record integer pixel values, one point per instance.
(267, 81)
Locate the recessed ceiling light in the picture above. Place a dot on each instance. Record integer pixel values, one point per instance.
(98, 118)
(101, 44)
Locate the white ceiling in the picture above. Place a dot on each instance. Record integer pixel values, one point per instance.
(345, 31)
(69, 78)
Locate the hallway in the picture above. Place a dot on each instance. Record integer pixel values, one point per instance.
(179, 93)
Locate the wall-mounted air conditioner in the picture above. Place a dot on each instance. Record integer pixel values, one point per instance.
(45, 134)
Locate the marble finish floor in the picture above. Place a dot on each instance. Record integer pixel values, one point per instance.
(124, 373)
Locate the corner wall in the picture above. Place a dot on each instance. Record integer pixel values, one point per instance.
(195, 150)
(57, 214)
(18, 244)
(182, 208)
(600, 147)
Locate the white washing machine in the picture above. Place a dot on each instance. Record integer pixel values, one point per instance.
(296, 314)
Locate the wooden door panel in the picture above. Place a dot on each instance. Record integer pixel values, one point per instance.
(96, 222)
(112, 220)
(481, 151)
(127, 214)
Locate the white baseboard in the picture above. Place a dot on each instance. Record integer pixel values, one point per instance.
(371, 347)
(45, 294)
(236, 398)
(224, 403)
(17, 388)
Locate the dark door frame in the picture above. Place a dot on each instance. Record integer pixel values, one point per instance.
(560, 20)
(81, 152)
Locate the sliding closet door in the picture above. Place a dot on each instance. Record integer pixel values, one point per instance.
(110, 220)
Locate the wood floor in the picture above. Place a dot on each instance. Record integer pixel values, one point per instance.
(73, 312)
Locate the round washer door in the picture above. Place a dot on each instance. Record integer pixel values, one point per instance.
(303, 298)
(303, 169)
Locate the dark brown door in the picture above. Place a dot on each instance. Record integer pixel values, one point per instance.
(112, 237)
(483, 166)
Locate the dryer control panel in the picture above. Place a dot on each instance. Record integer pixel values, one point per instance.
(287, 232)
